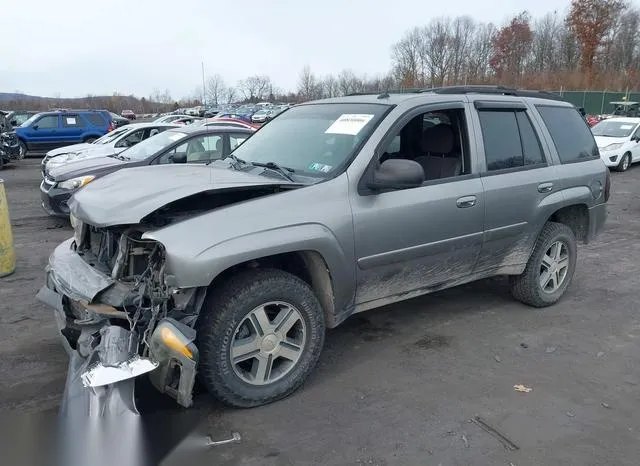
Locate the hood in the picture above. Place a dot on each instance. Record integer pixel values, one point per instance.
(92, 151)
(604, 141)
(89, 166)
(67, 149)
(127, 196)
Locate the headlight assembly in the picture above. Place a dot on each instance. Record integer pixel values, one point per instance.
(76, 183)
(615, 146)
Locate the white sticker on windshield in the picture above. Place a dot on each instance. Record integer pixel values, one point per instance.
(71, 121)
(349, 123)
(177, 136)
(626, 126)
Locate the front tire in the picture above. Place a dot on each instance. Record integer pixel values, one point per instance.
(625, 163)
(550, 268)
(260, 335)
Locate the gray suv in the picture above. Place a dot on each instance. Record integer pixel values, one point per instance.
(235, 269)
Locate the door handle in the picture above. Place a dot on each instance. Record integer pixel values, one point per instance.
(545, 187)
(467, 201)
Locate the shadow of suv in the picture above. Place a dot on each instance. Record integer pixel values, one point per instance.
(235, 269)
(49, 130)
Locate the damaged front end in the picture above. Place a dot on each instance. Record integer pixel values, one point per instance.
(120, 317)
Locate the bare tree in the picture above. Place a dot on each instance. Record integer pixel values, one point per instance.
(330, 87)
(462, 36)
(215, 89)
(255, 88)
(349, 83)
(437, 50)
(480, 52)
(230, 94)
(407, 58)
(309, 88)
(546, 43)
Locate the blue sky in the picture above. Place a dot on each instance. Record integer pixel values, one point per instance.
(74, 48)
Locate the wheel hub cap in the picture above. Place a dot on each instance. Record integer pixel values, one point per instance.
(554, 267)
(268, 343)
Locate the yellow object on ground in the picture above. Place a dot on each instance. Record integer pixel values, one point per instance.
(7, 252)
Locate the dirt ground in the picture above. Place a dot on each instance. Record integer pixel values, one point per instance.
(399, 385)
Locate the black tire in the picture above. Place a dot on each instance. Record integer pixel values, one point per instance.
(22, 151)
(625, 163)
(227, 307)
(526, 288)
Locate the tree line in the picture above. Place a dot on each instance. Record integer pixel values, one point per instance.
(594, 45)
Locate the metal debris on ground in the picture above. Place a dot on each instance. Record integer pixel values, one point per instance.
(570, 414)
(508, 444)
(464, 439)
(235, 438)
(550, 349)
(605, 405)
(497, 358)
(522, 388)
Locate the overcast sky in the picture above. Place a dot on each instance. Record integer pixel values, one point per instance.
(79, 47)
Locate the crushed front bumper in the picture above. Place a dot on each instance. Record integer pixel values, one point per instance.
(87, 306)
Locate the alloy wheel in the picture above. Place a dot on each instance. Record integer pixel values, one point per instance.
(554, 267)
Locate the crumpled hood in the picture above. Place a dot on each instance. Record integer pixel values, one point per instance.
(93, 151)
(603, 141)
(127, 196)
(83, 167)
(67, 149)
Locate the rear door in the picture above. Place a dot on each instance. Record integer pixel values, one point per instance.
(72, 128)
(517, 179)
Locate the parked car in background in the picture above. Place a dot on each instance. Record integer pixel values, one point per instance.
(625, 108)
(618, 141)
(229, 122)
(241, 113)
(49, 130)
(110, 144)
(262, 116)
(170, 117)
(16, 118)
(119, 121)
(129, 114)
(187, 120)
(189, 144)
(211, 112)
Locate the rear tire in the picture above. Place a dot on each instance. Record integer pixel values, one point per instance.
(550, 268)
(260, 335)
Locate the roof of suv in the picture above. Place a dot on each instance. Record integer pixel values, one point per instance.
(495, 92)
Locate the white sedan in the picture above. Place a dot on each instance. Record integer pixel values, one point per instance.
(618, 140)
(110, 144)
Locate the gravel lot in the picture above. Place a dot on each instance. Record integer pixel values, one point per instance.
(399, 385)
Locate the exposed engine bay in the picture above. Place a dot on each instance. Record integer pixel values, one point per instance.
(160, 318)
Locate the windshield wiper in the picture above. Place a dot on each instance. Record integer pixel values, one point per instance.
(284, 171)
(236, 164)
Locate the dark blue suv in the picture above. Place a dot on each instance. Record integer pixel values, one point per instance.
(49, 130)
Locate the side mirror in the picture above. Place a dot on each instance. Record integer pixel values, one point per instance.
(179, 158)
(397, 174)
(14, 123)
(35, 126)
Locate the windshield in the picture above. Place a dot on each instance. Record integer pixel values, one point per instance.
(112, 136)
(30, 120)
(613, 129)
(152, 145)
(314, 140)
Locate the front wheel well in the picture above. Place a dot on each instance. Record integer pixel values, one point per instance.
(575, 217)
(307, 265)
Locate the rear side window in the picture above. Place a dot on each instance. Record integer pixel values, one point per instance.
(71, 121)
(571, 135)
(95, 119)
(47, 122)
(509, 140)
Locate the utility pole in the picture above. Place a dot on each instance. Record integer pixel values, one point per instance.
(203, 90)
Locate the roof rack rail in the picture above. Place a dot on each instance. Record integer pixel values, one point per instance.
(496, 90)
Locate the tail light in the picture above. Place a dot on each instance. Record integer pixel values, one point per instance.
(111, 127)
(607, 186)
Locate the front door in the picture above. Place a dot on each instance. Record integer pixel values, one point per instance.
(411, 241)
